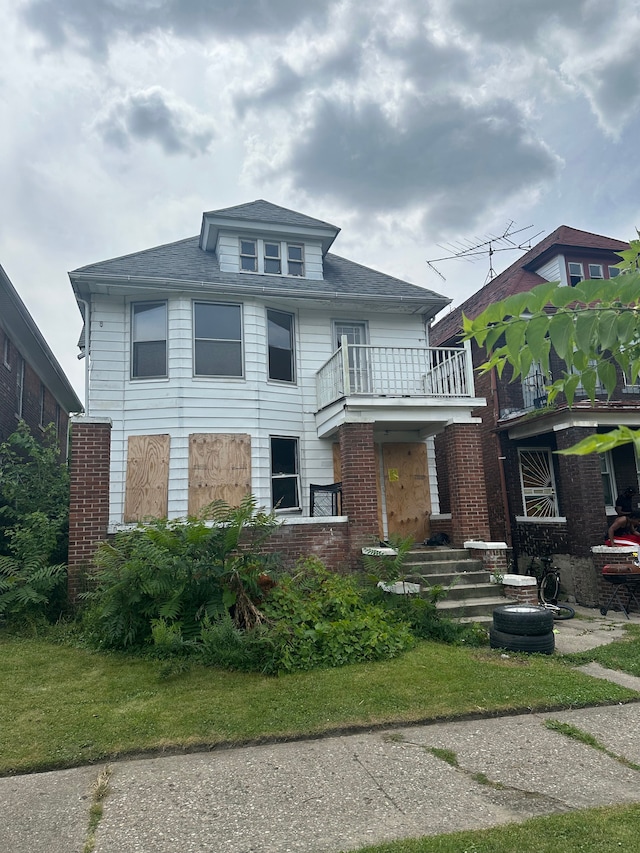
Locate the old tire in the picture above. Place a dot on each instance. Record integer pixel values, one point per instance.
(541, 643)
(526, 620)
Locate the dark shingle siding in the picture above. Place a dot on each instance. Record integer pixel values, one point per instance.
(264, 211)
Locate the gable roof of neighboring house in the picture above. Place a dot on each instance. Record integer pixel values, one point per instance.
(25, 335)
(520, 276)
(185, 265)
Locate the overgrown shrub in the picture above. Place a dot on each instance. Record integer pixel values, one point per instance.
(177, 574)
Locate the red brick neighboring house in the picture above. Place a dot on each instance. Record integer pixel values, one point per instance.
(539, 502)
(33, 386)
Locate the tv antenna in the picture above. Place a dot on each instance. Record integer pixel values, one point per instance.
(492, 243)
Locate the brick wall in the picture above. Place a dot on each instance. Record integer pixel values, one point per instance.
(463, 450)
(359, 492)
(89, 500)
(603, 556)
(327, 541)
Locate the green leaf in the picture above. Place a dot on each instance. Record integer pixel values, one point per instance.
(569, 387)
(514, 341)
(536, 331)
(626, 326)
(563, 296)
(514, 305)
(561, 334)
(606, 330)
(541, 295)
(585, 324)
(588, 378)
(607, 375)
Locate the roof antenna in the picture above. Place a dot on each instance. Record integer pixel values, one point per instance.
(487, 247)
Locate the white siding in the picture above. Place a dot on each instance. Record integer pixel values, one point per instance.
(554, 270)
(183, 404)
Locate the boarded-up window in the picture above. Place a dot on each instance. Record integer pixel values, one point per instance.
(219, 469)
(147, 477)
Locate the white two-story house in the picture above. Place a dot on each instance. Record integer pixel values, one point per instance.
(251, 359)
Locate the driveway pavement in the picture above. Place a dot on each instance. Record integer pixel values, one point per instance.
(338, 793)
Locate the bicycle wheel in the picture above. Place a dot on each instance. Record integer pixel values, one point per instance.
(550, 587)
(563, 611)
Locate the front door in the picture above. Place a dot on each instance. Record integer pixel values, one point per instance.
(355, 333)
(405, 494)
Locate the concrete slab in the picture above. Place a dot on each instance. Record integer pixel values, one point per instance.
(589, 629)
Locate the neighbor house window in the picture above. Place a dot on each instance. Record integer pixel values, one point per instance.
(217, 339)
(608, 482)
(58, 420)
(7, 353)
(280, 342)
(19, 386)
(595, 271)
(539, 499)
(285, 477)
(576, 273)
(613, 272)
(43, 397)
(534, 395)
(248, 256)
(295, 260)
(272, 262)
(148, 340)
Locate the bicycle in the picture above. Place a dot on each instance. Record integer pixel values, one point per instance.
(548, 580)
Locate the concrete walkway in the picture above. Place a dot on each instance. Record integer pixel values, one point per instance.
(337, 793)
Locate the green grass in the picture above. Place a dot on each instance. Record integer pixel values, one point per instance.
(63, 706)
(622, 654)
(593, 831)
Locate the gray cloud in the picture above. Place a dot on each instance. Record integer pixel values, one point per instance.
(153, 115)
(453, 159)
(93, 24)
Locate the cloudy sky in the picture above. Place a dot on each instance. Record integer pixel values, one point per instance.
(411, 124)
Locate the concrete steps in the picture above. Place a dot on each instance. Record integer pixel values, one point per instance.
(471, 595)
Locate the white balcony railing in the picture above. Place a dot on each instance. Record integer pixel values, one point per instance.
(357, 369)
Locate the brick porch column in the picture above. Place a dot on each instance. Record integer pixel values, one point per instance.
(359, 492)
(89, 499)
(581, 493)
(467, 490)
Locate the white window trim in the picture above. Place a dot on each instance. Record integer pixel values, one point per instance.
(216, 376)
(296, 476)
(7, 353)
(607, 470)
(20, 386)
(570, 274)
(260, 257)
(159, 377)
(596, 277)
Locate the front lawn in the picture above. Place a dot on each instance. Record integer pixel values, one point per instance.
(62, 706)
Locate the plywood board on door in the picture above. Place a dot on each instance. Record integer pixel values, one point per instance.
(406, 489)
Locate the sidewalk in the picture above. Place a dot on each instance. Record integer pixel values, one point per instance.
(337, 793)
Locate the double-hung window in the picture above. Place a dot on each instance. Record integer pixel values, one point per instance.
(595, 271)
(217, 346)
(295, 259)
(280, 339)
(148, 340)
(7, 353)
(576, 273)
(272, 262)
(248, 255)
(285, 476)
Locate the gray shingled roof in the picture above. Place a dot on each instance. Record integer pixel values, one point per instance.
(265, 211)
(186, 261)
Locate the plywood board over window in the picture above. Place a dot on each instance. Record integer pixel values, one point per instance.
(147, 477)
(219, 469)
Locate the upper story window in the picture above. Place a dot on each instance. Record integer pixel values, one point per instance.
(43, 400)
(295, 259)
(148, 340)
(7, 353)
(217, 345)
(613, 272)
(281, 346)
(271, 257)
(19, 386)
(595, 271)
(576, 273)
(272, 262)
(248, 256)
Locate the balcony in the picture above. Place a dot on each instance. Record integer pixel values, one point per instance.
(407, 386)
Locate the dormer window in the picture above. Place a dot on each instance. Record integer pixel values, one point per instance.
(595, 271)
(272, 263)
(576, 273)
(271, 257)
(248, 256)
(295, 260)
